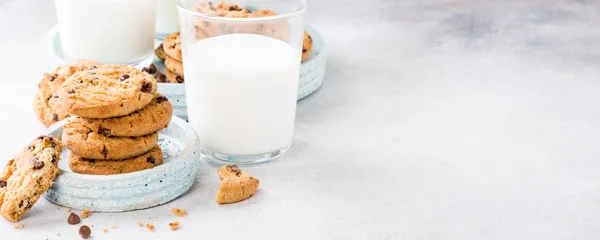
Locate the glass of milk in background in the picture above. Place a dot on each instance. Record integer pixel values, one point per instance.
(166, 18)
(241, 78)
(107, 31)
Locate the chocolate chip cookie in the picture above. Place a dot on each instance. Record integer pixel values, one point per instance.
(27, 176)
(306, 46)
(174, 65)
(89, 144)
(172, 77)
(152, 118)
(97, 167)
(107, 91)
(236, 185)
(172, 46)
(46, 105)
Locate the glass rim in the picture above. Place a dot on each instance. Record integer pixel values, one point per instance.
(300, 10)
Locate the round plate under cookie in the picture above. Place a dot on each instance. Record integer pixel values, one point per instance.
(131, 191)
(312, 71)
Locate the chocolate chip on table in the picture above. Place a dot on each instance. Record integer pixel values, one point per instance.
(161, 99)
(104, 131)
(147, 87)
(179, 79)
(160, 77)
(54, 117)
(2, 183)
(125, 76)
(73, 219)
(151, 160)
(85, 231)
(152, 68)
(145, 69)
(38, 165)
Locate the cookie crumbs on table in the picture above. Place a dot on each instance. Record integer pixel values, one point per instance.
(58, 234)
(179, 212)
(113, 226)
(85, 214)
(68, 210)
(104, 230)
(150, 227)
(139, 223)
(174, 225)
(18, 226)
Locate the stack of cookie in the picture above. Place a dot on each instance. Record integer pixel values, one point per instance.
(170, 52)
(116, 115)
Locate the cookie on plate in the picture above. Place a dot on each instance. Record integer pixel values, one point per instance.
(172, 77)
(236, 185)
(46, 105)
(172, 46)
(150, 119)
(148, 160)
(107, 91)
(89, 144)
(174, 65)
(27, 176)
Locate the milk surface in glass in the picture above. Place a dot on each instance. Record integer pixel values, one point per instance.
(241, 91)
(107, 31)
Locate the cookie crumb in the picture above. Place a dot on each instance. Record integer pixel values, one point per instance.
(68, 210)
(179, 212)
(57, 208)
(18, 226)
(174, 225)
(86, 213)
(140, 223)
(150, 227)
(113, 226)
(58, 234)
(104, 230)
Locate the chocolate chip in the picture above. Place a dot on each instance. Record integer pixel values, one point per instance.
(42, 137)
(54, 158)
(147, 87)
(179, 79)
(309, 38)
(73, 219)
(85, 231)
(234, 169)
(232, 8)
(89, 160)
(55, 96)
(121, 105)
(248, 11)
(38, 165)
(104, 131)
(151, 160)
(30, 147)
(104, 152)
(145, 69)
(92, 67)
(53, 145)
(54, 117)
(48, 99)
(125, 76)
(304, 50)
(52, 77)
(2, 183)
(71, 91)
(152, 68)
(33, 159)
(161, 99)
(161, 77)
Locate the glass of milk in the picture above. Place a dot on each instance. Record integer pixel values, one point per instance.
(166, 18)
(241, 77)
(107, 31)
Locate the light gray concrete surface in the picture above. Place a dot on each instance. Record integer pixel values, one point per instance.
(441, 119)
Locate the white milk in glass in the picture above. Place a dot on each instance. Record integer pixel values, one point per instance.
(166, 17)
(107, 31)
(241, 91)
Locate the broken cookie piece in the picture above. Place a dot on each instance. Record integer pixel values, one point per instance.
(236, 185)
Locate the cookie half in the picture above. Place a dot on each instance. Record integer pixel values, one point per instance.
(236, 185)
(172, 46)
(148, 160)
(107, 91)
(172, 77)
(150, 119)
(89, 144)
(27, 176)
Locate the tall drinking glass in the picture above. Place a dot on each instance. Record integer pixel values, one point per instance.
(241, 63)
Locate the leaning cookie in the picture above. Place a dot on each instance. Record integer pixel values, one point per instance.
(174, 65)
(172, 46)
(172, 77)
(97, 167)
(89, 144)
(150, 119)
(48, 109)
(107, 91)
(27, 176)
